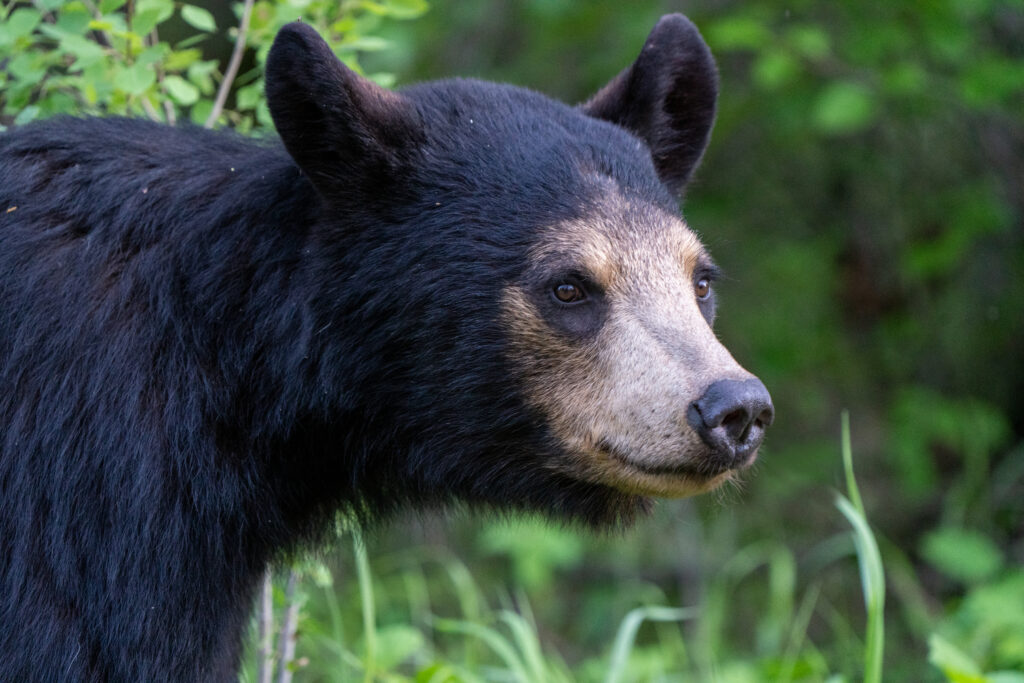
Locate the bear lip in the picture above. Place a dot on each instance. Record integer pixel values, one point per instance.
(703, 471)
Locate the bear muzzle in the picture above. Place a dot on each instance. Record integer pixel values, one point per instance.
(731, 418)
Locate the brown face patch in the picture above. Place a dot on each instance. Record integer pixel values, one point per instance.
(615, 385)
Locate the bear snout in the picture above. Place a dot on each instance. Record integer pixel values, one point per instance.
(731, 418)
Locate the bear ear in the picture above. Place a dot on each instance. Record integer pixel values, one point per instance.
(338, 126)
(667, 98)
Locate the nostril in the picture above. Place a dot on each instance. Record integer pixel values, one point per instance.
(737, 424)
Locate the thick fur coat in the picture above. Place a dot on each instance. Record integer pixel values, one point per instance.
(211, 344)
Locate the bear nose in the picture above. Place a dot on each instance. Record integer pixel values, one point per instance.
(731, 418)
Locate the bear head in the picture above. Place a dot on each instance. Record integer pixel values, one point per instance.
(519, 314)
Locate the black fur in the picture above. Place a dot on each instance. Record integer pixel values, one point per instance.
(204, 355)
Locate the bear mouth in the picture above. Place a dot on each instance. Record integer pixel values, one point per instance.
(708, 469)
(670, 481)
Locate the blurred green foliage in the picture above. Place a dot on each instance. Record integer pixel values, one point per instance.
(864, 191)
(160, 58)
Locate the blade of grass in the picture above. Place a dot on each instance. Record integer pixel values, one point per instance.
(524, 632)
(626, 636)
(471, 603)
(872, 575)
(847, 450)
(781, 566)
(334, 610)
(798, 633)
(872, 579)
(493, 639)
(369, 611)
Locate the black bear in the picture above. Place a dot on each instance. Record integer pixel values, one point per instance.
(460, 291)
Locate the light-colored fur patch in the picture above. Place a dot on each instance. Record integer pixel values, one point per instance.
(617, 402)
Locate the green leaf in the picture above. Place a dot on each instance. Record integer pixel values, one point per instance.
(74, 21)
(957, 666)
(146, 20)
(345, 25)
(151, 55)
(181, 59)
(844, 107)
(96, 82)
(810, 41)
(378, 8)
(181, 91)
(136, 79)
(399, 9)
(905, 78)
(194, 39)
(997, 606)
(144, 23)
(739, 33)
(962, 554)
(774, 69)
(199, 18)
(110, 5)
(58, 102)
(971, 212)
(116, 21)
(27, 67)
(199, 74)
(408, 9)
(17, 96)
(159, 5)
(366, 44)
(1004, 677)
(437, 672)
(200, 112)
(26, 115)
(57, 32)
(263, 114)
(397, 643)
(22, 22)
(988, 82)
(85, 51)
(249, 96)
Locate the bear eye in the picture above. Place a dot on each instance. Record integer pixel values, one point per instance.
(702, 288)
(568, 292)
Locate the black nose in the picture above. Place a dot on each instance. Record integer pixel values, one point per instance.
(731, 418)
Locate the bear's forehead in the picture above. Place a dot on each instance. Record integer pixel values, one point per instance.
(619, 240)
(513, 128)
(587, 189)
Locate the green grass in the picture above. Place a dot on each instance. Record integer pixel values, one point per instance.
(765, 611)
(872, 576)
